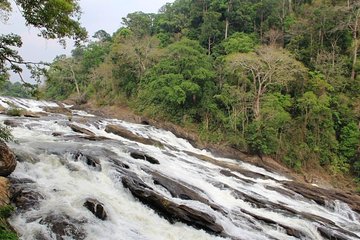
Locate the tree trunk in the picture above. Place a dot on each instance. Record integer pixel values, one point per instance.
(226, 27)
(227, 20)
(75, 81)
(356, 43)
(257, 107)
(209, 45)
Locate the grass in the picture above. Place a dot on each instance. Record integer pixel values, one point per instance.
(6, 231)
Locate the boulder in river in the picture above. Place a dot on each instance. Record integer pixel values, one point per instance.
(24, 194)
(96, 207)
(7, 160)
(78, 129)
(12, 123)
(143, 156)
(91, 161)
(123, 132)
(64, 227)
(171, 211)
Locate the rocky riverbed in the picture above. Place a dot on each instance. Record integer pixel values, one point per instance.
(82, 176)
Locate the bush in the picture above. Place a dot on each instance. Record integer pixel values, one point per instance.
(15, 112)
(5, 134)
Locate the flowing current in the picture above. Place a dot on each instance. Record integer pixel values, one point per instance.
(57, 173)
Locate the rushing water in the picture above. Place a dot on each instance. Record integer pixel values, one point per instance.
(64, 183)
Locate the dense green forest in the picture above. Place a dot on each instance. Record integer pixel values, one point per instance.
(270, 77)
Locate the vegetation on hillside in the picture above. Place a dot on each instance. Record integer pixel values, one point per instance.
(270, 77)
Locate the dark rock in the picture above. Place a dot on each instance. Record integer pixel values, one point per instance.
(12, 123)
(64, 227)
(56, 134)
(78, 129)
(24, 194)
(145, 122)
(180, 190)
(321, 196)
(122, 132)
(91, 161)
(143, 156)
(96, 207)
(171, 211)
(94, 138)
(7, 160)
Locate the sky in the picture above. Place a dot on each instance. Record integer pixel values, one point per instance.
(96, 15)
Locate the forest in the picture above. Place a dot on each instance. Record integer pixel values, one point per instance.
(278, 78)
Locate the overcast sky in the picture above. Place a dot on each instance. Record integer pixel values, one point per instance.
(97, 14)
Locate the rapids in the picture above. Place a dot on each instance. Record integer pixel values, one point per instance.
(56, 168)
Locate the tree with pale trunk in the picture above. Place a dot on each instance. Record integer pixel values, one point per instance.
(267, 68)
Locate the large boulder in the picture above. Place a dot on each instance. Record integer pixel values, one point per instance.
(24, 194)
(4, 192)
(172, 211)
(7, 160)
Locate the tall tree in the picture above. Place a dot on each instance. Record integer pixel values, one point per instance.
(266, 67)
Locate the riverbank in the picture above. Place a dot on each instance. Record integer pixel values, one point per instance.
(311, 173)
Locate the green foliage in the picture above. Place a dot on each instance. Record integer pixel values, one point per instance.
(5, 134)
(6, 211)
(6, 232)
(15, 90)
(240, 42)
(270, 77)
(55, 20)
(15, 112)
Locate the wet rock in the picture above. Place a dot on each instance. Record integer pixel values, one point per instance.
(94, 138)
(12, 123)
(7, 160)
(143, 156)
(322, 196)
(64, 227)
(180, 190)
(122, 132)
(57, 134)
(171, 211)
(78, 129)
(96, 207)
(91, 161)
(230, 166)
(58, 110)
(25, 156)
(24, 194)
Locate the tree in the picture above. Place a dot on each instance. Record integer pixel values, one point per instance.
(55, 20)
(266, 67)
(176, 83)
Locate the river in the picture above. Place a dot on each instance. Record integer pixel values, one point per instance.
(60, 169)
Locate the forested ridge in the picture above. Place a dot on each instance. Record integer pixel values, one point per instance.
(269, 77)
